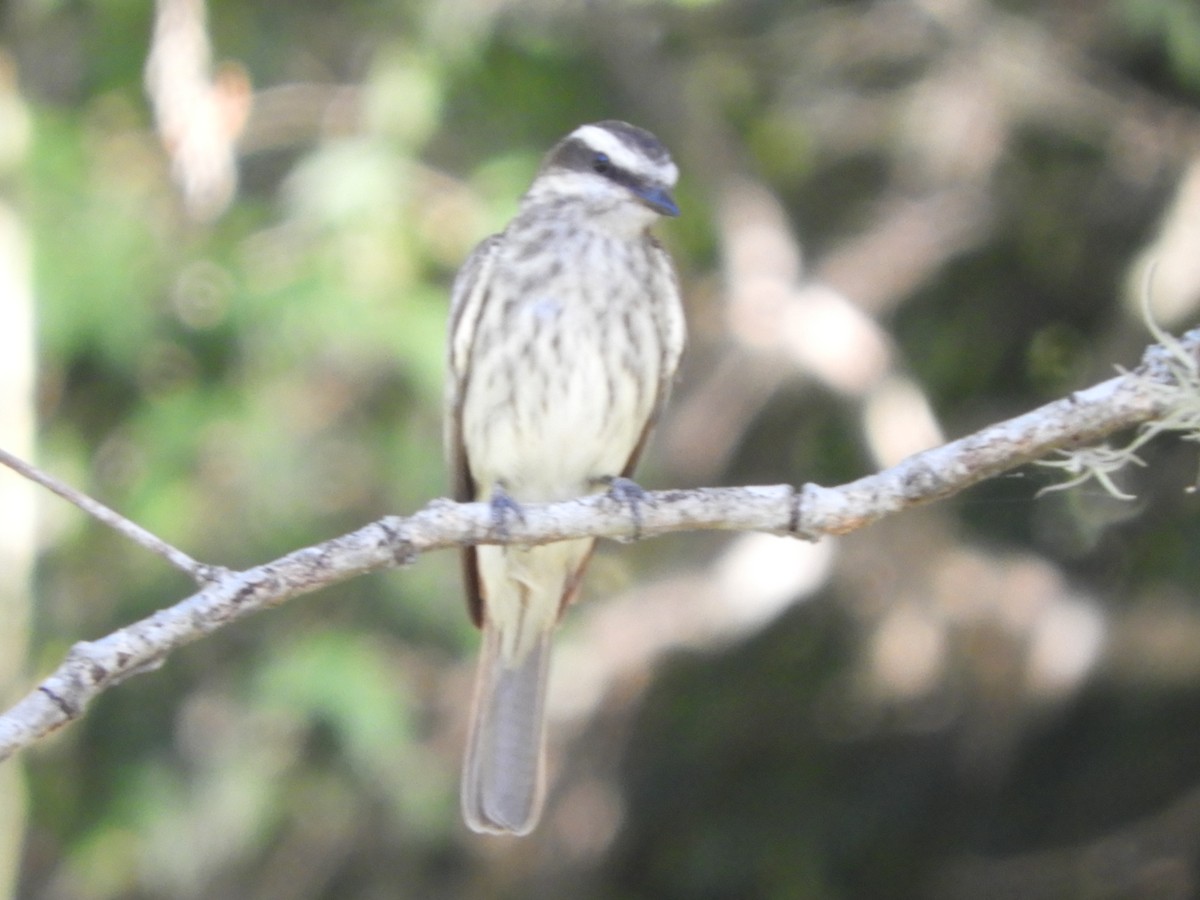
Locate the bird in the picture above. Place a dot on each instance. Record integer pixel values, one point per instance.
(565, 335)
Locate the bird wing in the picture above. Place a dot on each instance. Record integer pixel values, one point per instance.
(672, 328)
(467, 299)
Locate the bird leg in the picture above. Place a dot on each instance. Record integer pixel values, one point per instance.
(504, 508)
(627, 492)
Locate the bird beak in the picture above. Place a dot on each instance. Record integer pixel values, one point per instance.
(658, 200)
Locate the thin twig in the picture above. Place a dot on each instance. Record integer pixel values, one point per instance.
(200, 572)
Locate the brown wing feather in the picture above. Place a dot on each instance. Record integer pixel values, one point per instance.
(572, 589)
(467, 297)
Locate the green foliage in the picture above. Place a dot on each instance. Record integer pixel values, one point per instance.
(1171, 27)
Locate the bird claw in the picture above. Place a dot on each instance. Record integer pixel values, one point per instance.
(627, 492)
(504, 508)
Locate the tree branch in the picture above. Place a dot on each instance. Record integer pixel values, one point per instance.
(1082, 418)
(113, 519)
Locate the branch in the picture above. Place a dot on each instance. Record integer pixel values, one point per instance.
(1082, 418)
(113, 519)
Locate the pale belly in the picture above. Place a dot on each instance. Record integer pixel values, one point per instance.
(566, 407)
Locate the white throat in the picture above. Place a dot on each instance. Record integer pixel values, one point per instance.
(591, 202)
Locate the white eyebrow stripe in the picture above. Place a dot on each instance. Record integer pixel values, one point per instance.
(623, 157)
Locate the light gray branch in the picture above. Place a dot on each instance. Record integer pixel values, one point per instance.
(110, 517)
(810, 512)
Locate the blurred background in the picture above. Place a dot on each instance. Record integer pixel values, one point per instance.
(227, 233)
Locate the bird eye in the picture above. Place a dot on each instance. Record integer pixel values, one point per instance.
(601, 164)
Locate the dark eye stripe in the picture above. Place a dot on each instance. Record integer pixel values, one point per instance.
(575, 155)
(578, 156)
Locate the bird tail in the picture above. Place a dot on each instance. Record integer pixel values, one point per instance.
(503, 776)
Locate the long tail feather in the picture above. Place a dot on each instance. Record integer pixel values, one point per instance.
(503, 776)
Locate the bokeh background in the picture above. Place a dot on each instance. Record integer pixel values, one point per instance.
(227, 233)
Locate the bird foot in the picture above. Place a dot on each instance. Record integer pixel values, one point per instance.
(504, 509)
(627, 492)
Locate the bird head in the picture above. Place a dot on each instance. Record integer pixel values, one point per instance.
(614, 173)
